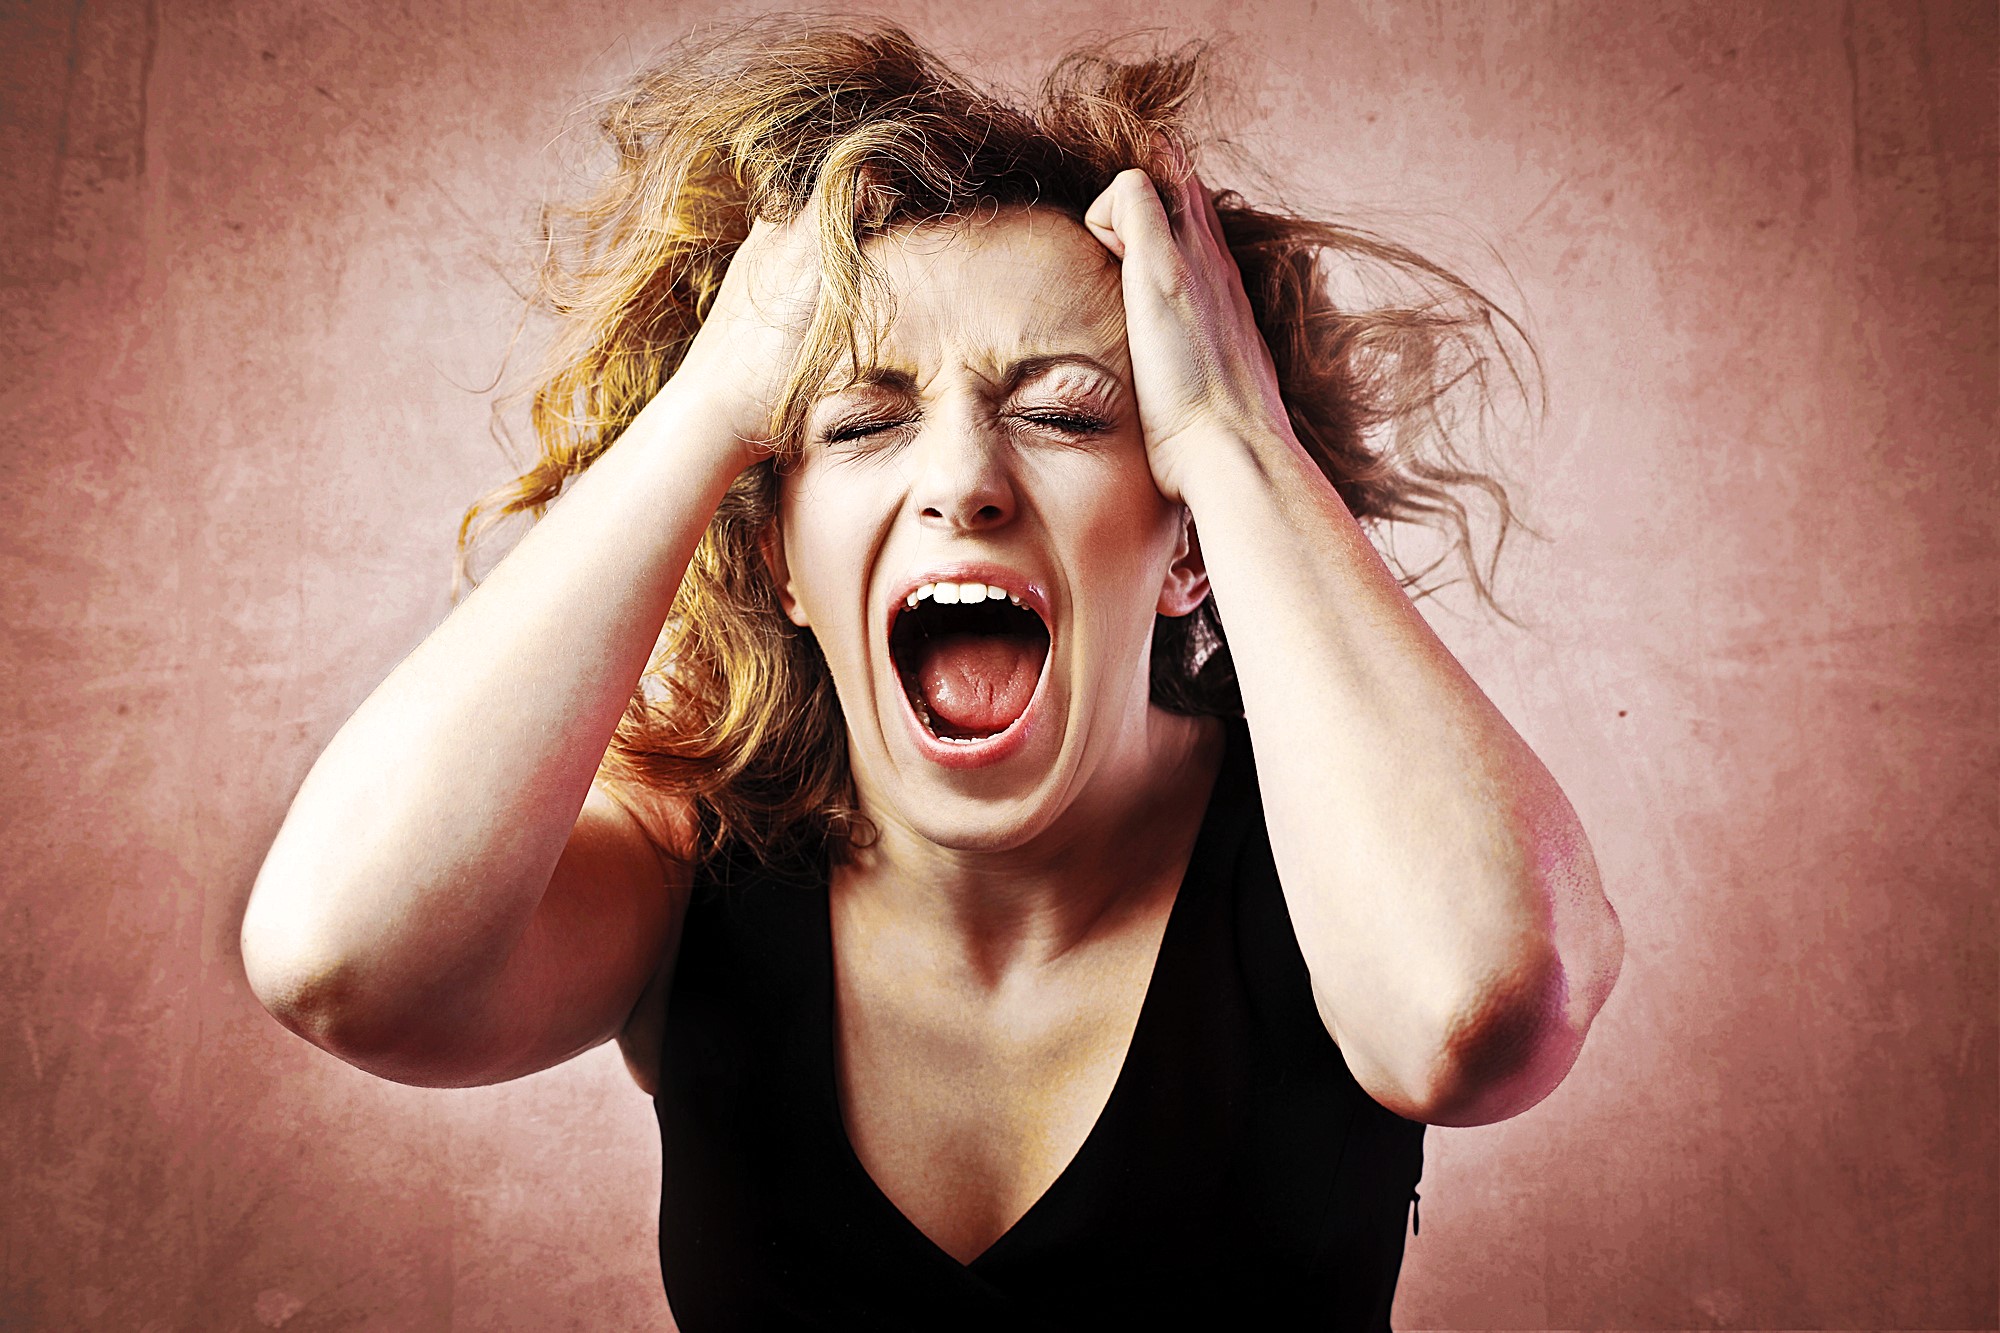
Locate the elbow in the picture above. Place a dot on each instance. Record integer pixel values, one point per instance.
(1510, 1042)
(327, 994)
(1503, 1050)
(1506, 1030)
(302, 982)
(1512, 1038)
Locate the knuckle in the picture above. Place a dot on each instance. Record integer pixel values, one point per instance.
(1175, 280)
(1133, 184)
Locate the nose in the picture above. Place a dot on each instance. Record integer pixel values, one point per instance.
(963, 483)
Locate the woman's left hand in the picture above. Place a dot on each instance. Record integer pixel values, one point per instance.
(1200, 368)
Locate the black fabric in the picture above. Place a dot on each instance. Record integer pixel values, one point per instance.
(1237, 1178)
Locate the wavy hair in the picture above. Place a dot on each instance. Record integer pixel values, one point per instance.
(1388, 363)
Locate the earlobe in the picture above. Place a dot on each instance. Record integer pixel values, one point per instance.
(1186, 585)
(772, 543)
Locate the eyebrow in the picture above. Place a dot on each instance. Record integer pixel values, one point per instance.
(1016, 374)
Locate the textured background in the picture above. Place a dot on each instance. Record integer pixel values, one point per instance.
(254, 275)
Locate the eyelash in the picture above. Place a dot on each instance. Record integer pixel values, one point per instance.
(1071, 423)
(858, 430)
(1076, 423)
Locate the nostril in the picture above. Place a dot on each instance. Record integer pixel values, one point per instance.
(985, 515)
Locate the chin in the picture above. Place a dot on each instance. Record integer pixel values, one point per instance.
(963, 822)
(977, 799)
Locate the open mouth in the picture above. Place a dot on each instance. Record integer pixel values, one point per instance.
(969, 656)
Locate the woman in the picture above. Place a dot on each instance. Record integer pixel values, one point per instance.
(1003, 946)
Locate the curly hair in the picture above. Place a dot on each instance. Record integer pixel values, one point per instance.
(737, 711)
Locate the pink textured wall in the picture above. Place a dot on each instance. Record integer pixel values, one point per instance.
(250, 276)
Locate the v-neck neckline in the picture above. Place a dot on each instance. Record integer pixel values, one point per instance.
(1195, 876)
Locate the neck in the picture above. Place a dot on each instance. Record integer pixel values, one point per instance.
(1119, 847)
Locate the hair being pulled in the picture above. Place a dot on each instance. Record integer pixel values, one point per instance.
(737, 710)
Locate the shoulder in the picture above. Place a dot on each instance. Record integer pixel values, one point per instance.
(667, 820)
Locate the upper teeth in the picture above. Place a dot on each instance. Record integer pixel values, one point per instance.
(945, 594)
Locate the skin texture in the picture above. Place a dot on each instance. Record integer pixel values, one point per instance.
(451, 901)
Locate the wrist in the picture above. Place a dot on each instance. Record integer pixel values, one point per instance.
(707, 428)
(1231, 467)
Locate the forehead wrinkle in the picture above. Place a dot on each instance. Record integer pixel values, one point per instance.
(969, 295)
(985, 346)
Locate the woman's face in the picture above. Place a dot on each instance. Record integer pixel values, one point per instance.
(992, 443)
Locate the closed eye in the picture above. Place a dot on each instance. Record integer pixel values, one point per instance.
(857, 430)
(1070, 422)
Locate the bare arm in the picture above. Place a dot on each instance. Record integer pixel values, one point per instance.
(1442, 890)
(450, 900)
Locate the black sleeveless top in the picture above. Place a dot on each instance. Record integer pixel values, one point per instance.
(1238, 1177)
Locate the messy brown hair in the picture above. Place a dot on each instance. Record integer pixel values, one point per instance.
(737, 711)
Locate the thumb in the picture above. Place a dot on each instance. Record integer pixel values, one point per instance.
(1128, 213)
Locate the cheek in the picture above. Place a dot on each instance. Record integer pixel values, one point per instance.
(1122, 534)
(1124, 513)
(826, 540)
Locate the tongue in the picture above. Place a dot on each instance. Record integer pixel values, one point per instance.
(977, 684)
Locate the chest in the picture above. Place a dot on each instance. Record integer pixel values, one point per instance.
(861, 1161)
(965, 1100)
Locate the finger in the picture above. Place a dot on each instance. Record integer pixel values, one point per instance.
(1198, 189)
(844, 188)
(1181, 186)
(1197, 215)
(1098, 223)
(1129, 214)
(1205, 223)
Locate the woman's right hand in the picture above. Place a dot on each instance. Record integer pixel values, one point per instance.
(745, 349)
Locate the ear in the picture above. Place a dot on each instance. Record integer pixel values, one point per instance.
(1187, 577)
(772, 543)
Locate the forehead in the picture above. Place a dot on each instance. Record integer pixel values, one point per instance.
(1020, 282)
